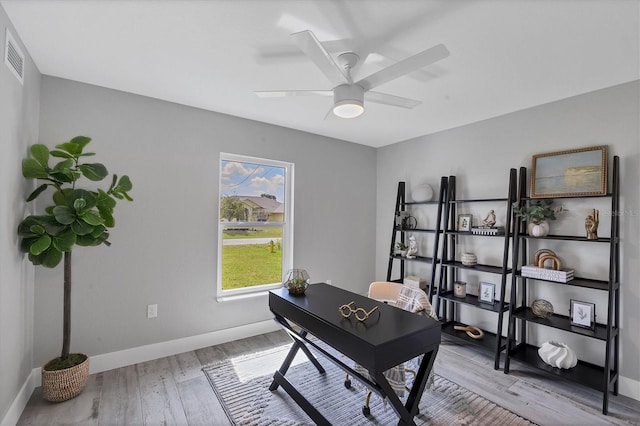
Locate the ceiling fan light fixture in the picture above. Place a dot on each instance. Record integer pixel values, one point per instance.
(348, 101)
(348, 109)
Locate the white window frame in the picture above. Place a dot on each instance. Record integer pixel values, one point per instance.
(287, 227)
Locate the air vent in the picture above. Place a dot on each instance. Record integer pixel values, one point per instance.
(14, 58)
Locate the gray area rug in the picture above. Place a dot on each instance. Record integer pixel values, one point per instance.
(242, 385)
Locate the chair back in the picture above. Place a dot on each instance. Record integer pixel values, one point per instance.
(385, 291)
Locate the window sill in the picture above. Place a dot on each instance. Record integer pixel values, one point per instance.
(235, 297)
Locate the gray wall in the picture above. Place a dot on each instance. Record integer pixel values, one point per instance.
(164, 243)
(481, 154)
(19, 107)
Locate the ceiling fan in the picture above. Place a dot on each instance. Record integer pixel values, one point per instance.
(349, 96)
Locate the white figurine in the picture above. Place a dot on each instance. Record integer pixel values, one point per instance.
(413, 248)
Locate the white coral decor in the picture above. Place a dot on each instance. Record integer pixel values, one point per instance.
(558, 355)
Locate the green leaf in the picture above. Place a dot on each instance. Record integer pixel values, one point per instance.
(37, 229)
(117, 195)
(52, 226)
(65, 215)
(82, 141)
(76, 194)
(107, 217)
(65, 175)
(64, 241)
(92, 217)
(81, 227)
(41, 153)
(25, 227)
(103, 200)
(26, 243)
(40, 245)
(79, 204)
(125, 195)
(124, 184)
(37, 192)
(72, 148)
(49, 210)
(51, 258)
(87, 154)
(60, 154)
(31, 169)
(93, 171)
(64, 164)
(98, 231)
(60, 197)
(36, 260)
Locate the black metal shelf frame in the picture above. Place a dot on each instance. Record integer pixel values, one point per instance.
(397, 231)
(450, 267)
(602, 378)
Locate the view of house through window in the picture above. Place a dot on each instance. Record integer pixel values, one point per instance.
(255, 231)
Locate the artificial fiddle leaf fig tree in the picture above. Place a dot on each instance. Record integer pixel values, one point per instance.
(76, 216)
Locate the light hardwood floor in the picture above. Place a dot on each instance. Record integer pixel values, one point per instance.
(174, 391)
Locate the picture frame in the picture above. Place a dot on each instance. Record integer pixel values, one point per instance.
(574, 173)
(486, 293)
(582, 314)
(464, 222)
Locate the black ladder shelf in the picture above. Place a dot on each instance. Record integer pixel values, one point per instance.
(602, 378)
(401, 206)
(446, 304)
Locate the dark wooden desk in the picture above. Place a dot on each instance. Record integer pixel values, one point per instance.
(377, 344)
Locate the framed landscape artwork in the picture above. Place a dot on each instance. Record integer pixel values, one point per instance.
(574, 173)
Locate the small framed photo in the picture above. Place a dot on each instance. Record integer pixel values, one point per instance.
(487, 292)
(583, 314)
(464, 222)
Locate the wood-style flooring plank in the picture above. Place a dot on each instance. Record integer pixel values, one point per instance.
(200, 403)
(185, 366)
(161, 402)
(120, 403)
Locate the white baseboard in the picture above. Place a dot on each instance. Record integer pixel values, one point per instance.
(20, 401)
(629, 387)
(109, 361)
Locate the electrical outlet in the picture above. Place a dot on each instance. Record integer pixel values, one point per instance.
(152, 311)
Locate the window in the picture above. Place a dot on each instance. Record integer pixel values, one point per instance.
(255, 224)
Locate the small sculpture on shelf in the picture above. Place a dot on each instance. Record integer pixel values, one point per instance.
(557, 354)
(542, 308)
(413, 248)
(591, 225)
(401, 249)
(490, 220)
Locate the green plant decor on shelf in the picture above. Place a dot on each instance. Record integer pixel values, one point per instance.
(76, 217)
(537, 211)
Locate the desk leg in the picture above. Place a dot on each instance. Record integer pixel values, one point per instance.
(408, 411)
(297, 344)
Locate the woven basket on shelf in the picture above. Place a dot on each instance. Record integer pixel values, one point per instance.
(61, 385)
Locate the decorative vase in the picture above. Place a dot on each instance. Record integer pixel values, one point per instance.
(538, 230)
(296, 281)
(422, 192)
(558, 355)
(469, 259)
(62, 385)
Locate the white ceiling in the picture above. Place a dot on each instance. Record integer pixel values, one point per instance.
(506, 55)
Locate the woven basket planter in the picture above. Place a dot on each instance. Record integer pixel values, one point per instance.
(61, 385)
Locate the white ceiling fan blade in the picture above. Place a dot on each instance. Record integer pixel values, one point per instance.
(405, 66)
(286, 93)
(386, 99)
(319, 55)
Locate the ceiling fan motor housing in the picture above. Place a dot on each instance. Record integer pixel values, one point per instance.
(348, 100)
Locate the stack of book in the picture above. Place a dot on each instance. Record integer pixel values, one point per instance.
(488, 230)
(560, 276)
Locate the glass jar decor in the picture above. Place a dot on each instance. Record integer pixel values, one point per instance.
(296, 281)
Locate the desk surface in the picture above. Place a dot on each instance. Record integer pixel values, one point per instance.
(377, 344)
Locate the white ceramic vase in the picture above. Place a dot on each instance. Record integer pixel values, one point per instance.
(539, 230)
(558, 355)
(422, 192)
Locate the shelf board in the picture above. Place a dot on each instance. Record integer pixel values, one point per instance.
(477, 267)
(568, 238)
(416, 203)
(585, 373)
(487, 342)
(398, 229)
(562, 322)
(479, 200)
(472, 300)
(576, 282)
(608, 194)
(416, 259)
